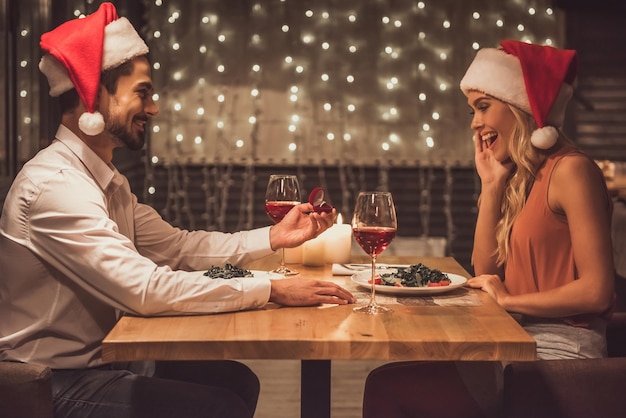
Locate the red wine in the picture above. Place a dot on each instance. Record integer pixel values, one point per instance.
(374, 239)
(278, 209)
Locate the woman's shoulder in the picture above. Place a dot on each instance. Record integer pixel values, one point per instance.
(571, 162)
(577, 174)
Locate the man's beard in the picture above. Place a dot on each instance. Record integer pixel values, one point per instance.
(133, 143)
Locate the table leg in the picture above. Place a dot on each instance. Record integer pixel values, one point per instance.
(315, 389)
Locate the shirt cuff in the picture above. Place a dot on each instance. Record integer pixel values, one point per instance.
(258, 243)
(256, 292)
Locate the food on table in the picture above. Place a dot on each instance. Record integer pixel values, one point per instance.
(415, 275)
(227, 272)
(316, 198)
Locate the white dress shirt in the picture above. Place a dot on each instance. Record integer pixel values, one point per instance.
(76, 248)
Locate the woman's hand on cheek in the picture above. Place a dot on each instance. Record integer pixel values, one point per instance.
(489, 169)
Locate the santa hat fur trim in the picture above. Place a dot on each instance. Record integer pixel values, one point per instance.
(536, 79)
(80, 49)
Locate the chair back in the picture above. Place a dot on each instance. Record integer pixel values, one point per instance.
(565, 389)
(25, 390)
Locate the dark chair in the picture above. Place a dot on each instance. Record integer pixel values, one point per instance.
(616, 335)
(535, 389)
(571, 388)
(25, 390)
(565, 389)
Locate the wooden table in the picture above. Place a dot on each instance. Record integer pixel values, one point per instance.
(317, 335)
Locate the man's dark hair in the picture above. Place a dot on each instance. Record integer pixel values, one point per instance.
(108, 78)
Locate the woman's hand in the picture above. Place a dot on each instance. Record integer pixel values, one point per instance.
(299, 225)
(489, 169)
(492, 284)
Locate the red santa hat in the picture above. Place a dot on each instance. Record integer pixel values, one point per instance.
(537, 79)
(78, 51)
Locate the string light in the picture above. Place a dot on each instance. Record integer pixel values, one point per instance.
(365, 80)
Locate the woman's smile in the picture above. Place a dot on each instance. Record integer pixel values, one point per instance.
(488, 139)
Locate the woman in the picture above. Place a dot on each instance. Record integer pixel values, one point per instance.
(542, 244)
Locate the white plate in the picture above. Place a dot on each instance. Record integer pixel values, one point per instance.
(361, 278)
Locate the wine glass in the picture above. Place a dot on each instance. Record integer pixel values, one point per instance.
(374, 225)
(282, 194)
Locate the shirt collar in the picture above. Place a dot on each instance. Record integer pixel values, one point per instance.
(102, 172)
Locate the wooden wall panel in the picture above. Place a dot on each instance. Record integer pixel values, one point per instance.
(597, 30)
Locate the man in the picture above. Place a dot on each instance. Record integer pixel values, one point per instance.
(76, 248)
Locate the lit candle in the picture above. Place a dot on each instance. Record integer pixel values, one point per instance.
(338, 242)
(313, 252)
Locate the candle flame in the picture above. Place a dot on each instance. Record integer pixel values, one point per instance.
(339, 219)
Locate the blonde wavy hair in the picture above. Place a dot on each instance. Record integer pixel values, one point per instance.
(528, 160)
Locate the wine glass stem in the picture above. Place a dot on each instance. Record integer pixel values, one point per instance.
(282, 259)
(373, 293)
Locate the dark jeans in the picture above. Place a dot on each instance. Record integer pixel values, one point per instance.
(190, 389)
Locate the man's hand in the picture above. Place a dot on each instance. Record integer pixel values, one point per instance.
(299, 225)
(306, 292)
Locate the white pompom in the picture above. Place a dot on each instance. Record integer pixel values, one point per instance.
(544, 138)
(91, 123)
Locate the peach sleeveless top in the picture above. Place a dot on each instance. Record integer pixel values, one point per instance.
(541, 256)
